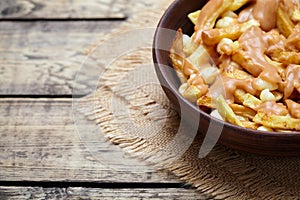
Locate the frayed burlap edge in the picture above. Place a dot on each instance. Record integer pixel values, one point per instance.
(225, 174)
(242, 181)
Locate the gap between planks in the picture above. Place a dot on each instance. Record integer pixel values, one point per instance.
(61, 19)
(39, 96)
(91, 184)
(39, 142)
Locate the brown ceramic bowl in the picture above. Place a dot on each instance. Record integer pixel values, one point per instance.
(232, 136)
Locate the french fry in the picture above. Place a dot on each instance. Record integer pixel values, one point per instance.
(292, 8)
(284, 23)
(247, 123)
(278, 95)
(242, 118)
(208, 16)
(250, 125)
(240, 96)
(278, 65)
(243, 111)
(194, 16)
(211, 12)
(206, 101)
(289, 57)
(237, 4)
(277, 122)
(247, 63)
(177, 55)
(237, 74)
(252, 102)
(226, 112)
(233, 32)
(292, 43)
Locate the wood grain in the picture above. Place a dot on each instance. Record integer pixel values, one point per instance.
(62, 9)
(39, 142)
(43, 57)
(98, 193)
(76, 9)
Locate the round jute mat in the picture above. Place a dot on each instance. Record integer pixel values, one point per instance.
(131, 109)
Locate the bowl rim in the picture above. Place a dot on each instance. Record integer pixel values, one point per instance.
(174, 90)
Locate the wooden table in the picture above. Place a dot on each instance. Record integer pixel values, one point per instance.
(41, 156)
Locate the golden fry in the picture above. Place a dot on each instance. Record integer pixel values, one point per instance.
(233, 32)
(214, 36)
(208, 16)
(211, 12)
(237, 74)
(194, 16)
(237, 4)
(292, 43)
(278, 65)
(292, 7)
(278, 95)
(277, 122)
(289, 57)
(252, 102)
(243, 111)
(251, 125)
(206, 101)
(226, 112)
(240, 96)
(284, 23)
(177, 55)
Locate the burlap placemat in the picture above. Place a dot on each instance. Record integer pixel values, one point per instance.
(133, 112)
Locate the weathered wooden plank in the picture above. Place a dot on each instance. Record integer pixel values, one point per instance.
(62, 9)
(95, 193)
(76, 9)
(43, 57)
(39, 142)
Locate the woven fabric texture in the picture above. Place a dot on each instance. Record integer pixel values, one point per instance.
(133, 112)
